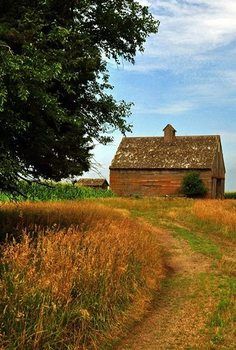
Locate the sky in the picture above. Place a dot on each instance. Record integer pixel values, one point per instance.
(185, 77)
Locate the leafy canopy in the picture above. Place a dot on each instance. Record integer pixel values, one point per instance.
(193, 186)
(54, 83)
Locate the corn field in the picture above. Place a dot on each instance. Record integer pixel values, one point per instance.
(53, 192)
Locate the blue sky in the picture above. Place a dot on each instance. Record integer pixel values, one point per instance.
(186, 77)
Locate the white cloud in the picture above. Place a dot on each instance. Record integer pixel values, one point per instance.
(170, 109)
(190, 30)
(218, 87)
(230, 77)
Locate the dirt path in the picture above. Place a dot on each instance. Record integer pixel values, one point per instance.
(178, 315)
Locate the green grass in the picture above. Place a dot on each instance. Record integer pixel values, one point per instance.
(198, 243)
(222, 321)
(54, 192)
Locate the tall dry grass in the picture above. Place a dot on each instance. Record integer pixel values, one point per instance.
(221, 213)
(78, 274)
(37, 217)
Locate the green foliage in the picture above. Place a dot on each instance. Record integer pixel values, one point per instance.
(230, 195)
(54, 83)
(193, 186)
(54, 192)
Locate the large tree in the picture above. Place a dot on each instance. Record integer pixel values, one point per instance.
(54, 83)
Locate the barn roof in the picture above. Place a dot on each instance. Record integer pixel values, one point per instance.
(184, 152)
(92, 182)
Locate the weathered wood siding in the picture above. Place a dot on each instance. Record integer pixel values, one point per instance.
(125, 182)
(218, 168)
(218, 174)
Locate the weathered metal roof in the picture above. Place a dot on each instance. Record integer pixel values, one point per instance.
(92, 182)
(185, 152)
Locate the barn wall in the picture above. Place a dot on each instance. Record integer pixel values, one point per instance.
(218, 164)
(218, 174)
(152, 182)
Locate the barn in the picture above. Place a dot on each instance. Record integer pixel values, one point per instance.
(155, 166)
(93, 183)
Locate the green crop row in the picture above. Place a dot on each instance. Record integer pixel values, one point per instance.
(54, 192)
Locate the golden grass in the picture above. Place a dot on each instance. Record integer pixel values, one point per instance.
(222, 213)
(80, 272)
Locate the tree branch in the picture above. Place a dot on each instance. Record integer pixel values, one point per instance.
(7, 47)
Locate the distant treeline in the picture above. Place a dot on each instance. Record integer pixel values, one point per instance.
(53, 192)
(230, 195)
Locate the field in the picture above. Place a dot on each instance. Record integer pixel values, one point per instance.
(50, 191)
(73, 275)
(80, 274)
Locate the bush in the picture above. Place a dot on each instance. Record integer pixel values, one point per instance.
(193, 186)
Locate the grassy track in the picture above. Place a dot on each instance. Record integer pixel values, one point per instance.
(209, 229)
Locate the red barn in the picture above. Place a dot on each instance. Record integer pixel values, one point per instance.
(93, 183)
(155, 166)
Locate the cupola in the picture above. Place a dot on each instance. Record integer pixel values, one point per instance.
(169, 133)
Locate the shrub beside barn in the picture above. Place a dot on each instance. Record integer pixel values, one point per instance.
(156, 166)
